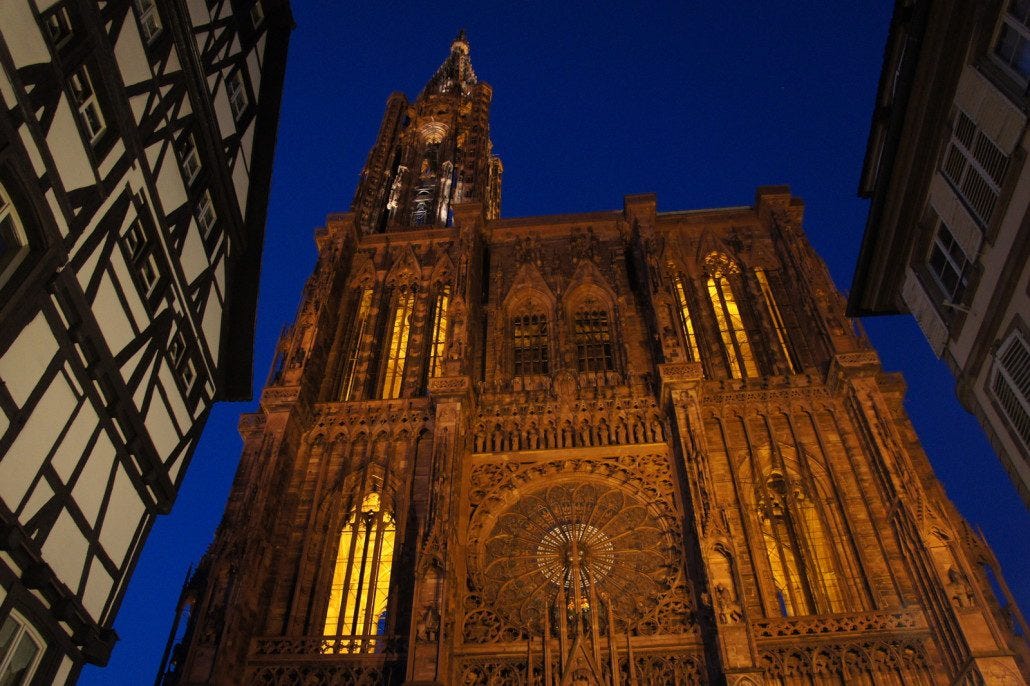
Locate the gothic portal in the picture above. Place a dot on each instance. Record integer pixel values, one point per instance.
(626, 447)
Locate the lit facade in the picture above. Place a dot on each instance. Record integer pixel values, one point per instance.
(947, 238)
(621, 447)
(136, 145)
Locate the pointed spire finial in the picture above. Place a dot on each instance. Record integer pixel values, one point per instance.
(462, 37)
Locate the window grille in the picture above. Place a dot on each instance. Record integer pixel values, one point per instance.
(1010, 384)
(531, 345)
(975, 167)
(593, 335)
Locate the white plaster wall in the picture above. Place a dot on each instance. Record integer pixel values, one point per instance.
(24, 362)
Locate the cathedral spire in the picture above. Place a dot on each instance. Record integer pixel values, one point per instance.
(455, 74)
(432, 153)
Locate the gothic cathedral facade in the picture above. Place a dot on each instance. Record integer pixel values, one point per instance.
(624, 447)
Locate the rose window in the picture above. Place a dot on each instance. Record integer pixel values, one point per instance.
(587, 540)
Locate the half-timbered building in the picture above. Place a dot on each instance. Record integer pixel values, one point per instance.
(136, 142)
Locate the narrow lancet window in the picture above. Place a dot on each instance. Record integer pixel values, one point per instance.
(531, 345)
(593, 335)
(800, 554)
(740, 358)
(686, 321)
(348, 387)
(439, 340)
(361, 578)
(397, 352)
(777, 320)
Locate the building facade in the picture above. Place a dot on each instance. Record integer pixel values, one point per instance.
(948, 236)
(136, 142)
(622, 447)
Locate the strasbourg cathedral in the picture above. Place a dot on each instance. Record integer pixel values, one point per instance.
(623, 447)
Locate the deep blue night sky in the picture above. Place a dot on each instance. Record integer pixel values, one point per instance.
(697, 102)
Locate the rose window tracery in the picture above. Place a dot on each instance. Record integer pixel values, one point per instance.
(575, 543)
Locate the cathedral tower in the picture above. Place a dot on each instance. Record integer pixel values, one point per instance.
(624, 447)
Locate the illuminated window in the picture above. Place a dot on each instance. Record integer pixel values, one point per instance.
(149, 19)
(348, 387)
(1013, 45)
(1010, 384)
(439, 340)
(686, 321)
(530, 345)
(237, 92)
(20, 651)
(361, 578)
(14, 242)
(799, 551)
(975, 167)
(739, 357)
(86, 102)
(397, 352)
(593, 336)
(777, 320)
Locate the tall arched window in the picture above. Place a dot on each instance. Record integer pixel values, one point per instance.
(530, 345)
(439, 340)
(740, 358)
(397, 349)
(361, 576)
(800, 554)
(592, 333)
(686, 320)
(360, 313)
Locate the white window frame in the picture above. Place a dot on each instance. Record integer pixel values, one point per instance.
(940, 244)
(85, 96)
(59, 26)
(237, 92)
(23, 629)
(189, 158)
(207, 217)
(142, 259)
(1009, 384)
(1019, 28)
(149, 20)
(12, 232)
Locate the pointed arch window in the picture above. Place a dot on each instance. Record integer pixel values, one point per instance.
(686, 320)
(800, 555)
(397, 350)
(439, 340)
(777, 320)
(361, 577)
(361, 309)
(592, 332)
(530, 345)
(740, 358)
